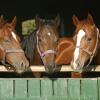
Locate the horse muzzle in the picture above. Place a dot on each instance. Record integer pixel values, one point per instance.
(50, 68)
(21, 67)
(77, 67)
(18, 61)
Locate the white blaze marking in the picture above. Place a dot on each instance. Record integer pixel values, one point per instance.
(49, 34)
(14, 36)
(80, 34)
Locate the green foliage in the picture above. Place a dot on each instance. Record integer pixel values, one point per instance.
(28, 26)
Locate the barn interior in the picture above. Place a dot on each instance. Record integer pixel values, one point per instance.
(28, 9)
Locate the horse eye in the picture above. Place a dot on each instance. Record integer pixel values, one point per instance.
(40, 40)
(89, 39)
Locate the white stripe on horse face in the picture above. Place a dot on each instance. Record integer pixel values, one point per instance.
(80, 34)
(14, 36)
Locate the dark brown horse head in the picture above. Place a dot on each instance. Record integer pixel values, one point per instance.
(10, 49)
(47, 39)
(86, 42)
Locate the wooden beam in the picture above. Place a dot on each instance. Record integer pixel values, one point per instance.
(64, 68)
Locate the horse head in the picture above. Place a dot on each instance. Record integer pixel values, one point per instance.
(47, 38)
(86, 40)
(10, 49)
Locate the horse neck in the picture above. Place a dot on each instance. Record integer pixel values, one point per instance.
(96, 59)
(65, 51)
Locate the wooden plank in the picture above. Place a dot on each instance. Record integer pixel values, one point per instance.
(98, 88)
(74, 89)
(22, 99)
(45, 98)
(55, 98)
(46, 88)
(60, 87)
(6, 88)
(34, 88)
(64, 68)
(89, 89)
(20, 88)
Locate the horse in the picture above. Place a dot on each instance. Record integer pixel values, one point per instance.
(40, 45)
(65, 50)
(87, 43)
(10, 48)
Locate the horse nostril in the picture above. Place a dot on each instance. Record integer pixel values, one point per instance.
(22, 64)
(76, 67)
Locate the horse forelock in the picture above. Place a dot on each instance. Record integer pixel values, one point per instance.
(3, 23)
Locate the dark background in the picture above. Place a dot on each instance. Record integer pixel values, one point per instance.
(27, 9)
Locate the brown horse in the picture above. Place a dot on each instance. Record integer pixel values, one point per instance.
(87, 43)
(10, 49)
(40, 46)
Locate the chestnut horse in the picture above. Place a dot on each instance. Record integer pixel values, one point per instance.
(40, 46)
(65, 50)
(10, 49)
(87, 40)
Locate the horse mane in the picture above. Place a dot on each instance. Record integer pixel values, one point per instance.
(50, 22)
(28, 44)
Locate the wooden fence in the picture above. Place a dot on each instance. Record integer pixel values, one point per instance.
(49, 89)
(63, 68)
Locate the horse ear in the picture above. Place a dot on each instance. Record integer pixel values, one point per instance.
(1, 19)
(75, 20)
(14, 21)
(90, 19)
(57, 21)
(38, 21)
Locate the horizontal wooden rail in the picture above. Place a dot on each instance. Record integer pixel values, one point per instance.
(63, 68)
